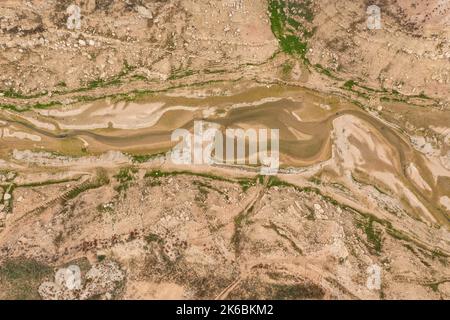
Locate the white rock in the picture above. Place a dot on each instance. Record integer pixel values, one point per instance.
(144, 12)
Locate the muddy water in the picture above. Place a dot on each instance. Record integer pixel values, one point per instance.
(289, 109)
(259, 107)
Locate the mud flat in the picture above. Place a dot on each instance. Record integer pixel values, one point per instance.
(316, 130)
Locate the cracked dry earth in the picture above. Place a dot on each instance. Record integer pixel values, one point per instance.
(87, 181)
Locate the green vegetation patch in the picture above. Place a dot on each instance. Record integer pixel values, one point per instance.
(46, 183)
(286, 68)
(153, 237)
(125, 177)
(181, 74)
(288, 21)
(324, 71)
(373, 235)
(20, 278)
(10, 93)
(100, 180)
(349, 84)
(276, 182)
(161, 174)
(142, 158)
(247, 183)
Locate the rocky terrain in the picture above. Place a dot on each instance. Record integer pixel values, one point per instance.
(93, 207)
(160, 234)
